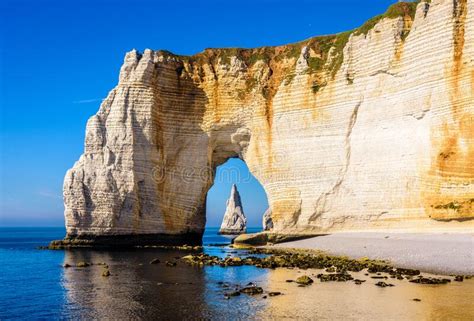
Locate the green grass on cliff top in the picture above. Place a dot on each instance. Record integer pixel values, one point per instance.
(321, 45)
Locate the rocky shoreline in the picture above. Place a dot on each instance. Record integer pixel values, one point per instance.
(441, 253)
(169, 240)
(127, 241)
(337, 268)
(315, 267)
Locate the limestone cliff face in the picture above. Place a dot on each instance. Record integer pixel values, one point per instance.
(368, 129)
(234, 221)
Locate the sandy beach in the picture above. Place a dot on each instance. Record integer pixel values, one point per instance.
(441, 253)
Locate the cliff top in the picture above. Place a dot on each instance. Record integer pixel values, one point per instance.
(320, 48)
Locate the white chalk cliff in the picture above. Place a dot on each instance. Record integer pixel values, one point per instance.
(364, 130)
(234, 221)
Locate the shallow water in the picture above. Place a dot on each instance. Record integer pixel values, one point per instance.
(36, 286)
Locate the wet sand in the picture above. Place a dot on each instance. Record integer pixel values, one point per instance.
(441, 253)
(347, 301)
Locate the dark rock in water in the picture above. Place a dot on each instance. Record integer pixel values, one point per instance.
(408, 272)
(231, 294)
(304, 280)
(358, 282)
(423, 280)
(459, 278)
(339, 277)
(169, 263)
(252, 290)
(82, 264)
(155, 261)
(376, 268)
(302, 260)
(66, 265)
(130, 241)
(274, 293)
(417, 300)
(288, 260)
(106, 273)
(383, 284)
(263, 238)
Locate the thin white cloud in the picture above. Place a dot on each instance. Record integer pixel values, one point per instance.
(87, 101)
(49, 194)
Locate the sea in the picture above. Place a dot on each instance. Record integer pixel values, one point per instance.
(34, 285)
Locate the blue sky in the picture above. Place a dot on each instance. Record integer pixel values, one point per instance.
(58, 59)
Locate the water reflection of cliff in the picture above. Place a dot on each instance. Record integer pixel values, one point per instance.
(135, 290)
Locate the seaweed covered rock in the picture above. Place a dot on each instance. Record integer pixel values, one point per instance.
(304, 280)
(252, 290)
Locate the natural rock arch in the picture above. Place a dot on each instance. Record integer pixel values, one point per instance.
(345, 132)
(253, 196)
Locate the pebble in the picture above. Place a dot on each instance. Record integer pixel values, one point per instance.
(274, 293)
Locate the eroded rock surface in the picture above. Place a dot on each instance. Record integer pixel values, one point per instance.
(267, 223)
(234, 221)
(365, 130)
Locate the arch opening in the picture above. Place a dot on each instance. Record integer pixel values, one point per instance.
(253, 197)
